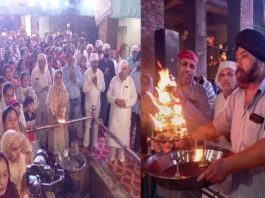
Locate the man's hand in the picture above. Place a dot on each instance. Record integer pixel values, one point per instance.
(106, 71)
(73, 76)
(120, 103)
(94, 80)
(161, 146)
(46, 88)
(123, 103)
(216, 172)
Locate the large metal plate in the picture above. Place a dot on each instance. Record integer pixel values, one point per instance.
(162, 168)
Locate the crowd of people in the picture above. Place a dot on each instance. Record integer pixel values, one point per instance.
(55, 78)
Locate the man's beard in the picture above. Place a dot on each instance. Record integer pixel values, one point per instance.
(106, 56)
(245, 77)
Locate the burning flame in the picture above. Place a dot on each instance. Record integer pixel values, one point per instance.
(168, 118)
(198, 155)
(61, 121)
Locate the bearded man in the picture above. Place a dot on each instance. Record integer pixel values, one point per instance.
(243, 115)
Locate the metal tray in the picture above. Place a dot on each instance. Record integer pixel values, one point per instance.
(162, 167)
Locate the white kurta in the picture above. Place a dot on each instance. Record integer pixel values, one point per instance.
(38, 81)
(120, 118)
(91, 91)
(219, 104)
(92, 97)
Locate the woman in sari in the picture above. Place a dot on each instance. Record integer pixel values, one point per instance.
(57, 101)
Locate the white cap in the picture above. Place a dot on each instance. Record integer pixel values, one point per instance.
(123, 63)
(135, 48)
(222, 66)
(89, 45)
(98, 43)
(93, 57)
(106, 46)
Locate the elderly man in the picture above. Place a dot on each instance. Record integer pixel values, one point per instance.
(73, 80)
(122, 96)
(107, 67)
(132, 58)
(98, 48)
(93, 86)
(226, 81)
(243, 115)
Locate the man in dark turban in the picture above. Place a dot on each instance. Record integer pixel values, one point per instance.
(243, 115)
(250, 42)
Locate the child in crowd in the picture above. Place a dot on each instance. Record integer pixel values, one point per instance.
(30, 117)
(25, 90)
(21, 118)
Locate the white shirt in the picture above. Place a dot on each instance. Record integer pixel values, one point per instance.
(244, 133)
(40, 80)
(219, 104)
(93, 92)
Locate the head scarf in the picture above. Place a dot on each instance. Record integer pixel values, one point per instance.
(57, 95)
(123, 63)
(93, 57)
(188, 54)
(222, 66)
(13, 101)
(252, 41)
(42, 56)
(8, 139)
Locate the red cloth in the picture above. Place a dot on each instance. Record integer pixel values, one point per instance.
(31, 136)
(12, 101)
(188, 54)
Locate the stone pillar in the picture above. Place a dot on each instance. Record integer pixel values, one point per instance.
(195, 24)
(189, 25)
(201, 36)
(152, 19)
(240, 16)
(246, 14)
(259, 16)
(108, 31)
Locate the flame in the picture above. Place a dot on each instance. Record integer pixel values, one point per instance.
(169, 117)
(61, 121)
(198, 154)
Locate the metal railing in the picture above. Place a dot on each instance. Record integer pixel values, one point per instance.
(211, 193)
(99, 122)
(114, 137)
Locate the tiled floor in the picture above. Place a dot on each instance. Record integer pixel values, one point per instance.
(129, 174)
